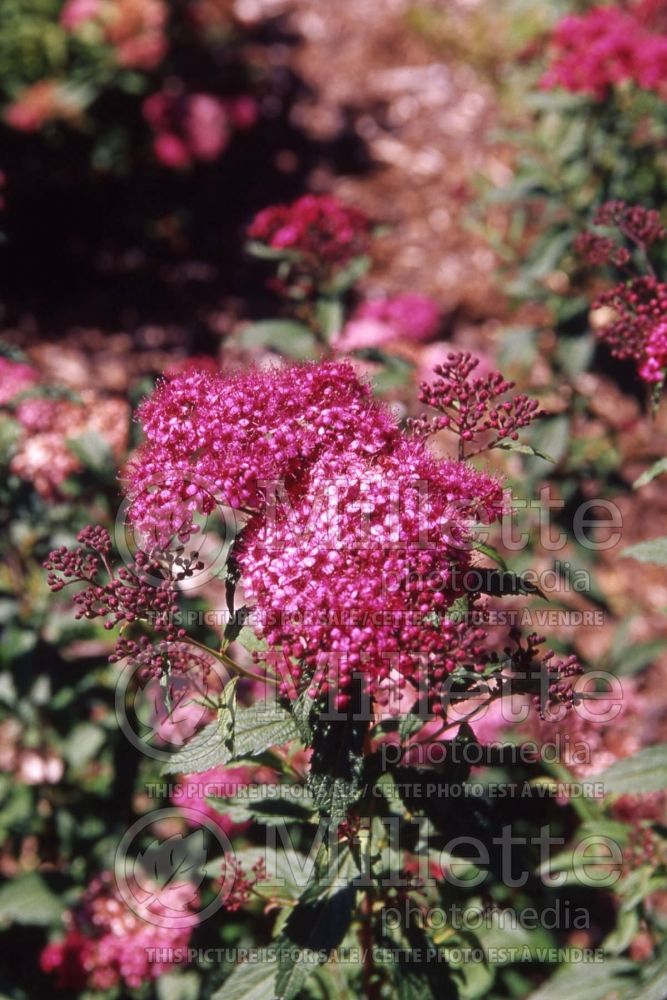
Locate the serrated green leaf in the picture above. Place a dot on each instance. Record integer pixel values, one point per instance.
(336, 767)
(212, 746)
(302, 713)
(314, 927)
(269, 805)
(248, 638)
(260, 727)
(492, 553)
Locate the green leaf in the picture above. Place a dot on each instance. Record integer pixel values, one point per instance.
(315, 926)
(28, 900)
(344, 279)
(264, 252)
(269, 804)
(330, 316)
(248, 638)
(524, 449)
(94, 452)
(550, 437)
(178, 986)
(654, 985)
(652, 551)
(235, 626)
(588, 981)
(336, 767)
(646, 477)
(645, 772)
(294, 340)
(212, 746)
(575, 354)
(260, 727)
(249, 981)
(84, 742)
(488, 550)
(302, 713)
(634, 658)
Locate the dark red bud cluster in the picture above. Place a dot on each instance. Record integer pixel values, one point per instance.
(470, 405)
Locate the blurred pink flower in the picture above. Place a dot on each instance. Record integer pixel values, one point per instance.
(191, 127)
(361, 333)
(379, 321)
(220, 782)
(413, 316)
(77, 12)
(15, 377)
(108, 944)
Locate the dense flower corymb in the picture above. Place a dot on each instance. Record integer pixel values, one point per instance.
(354, 535)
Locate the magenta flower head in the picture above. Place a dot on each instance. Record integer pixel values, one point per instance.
(605, 47)
(319, 235)
(356, 536)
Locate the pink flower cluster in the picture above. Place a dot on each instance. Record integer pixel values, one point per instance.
(354, 530)
(15, 377)
(107, 944)
(472, 406)
(604, 47)
(636, 329)
(379, 321)
(324, 233)
(195, 127)
(654, 366)
(136, 29)
(42, 455)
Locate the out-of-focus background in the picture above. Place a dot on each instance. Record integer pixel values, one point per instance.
(138, 141)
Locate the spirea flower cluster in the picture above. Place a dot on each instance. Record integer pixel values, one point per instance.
(107, 944)
(355, 534)
(129, 596)
(635, 330)
(605, 47)
(473, 407)
(635, 225)
(632, 315)
(319, 233)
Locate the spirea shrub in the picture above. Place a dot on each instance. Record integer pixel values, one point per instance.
(355, 551)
